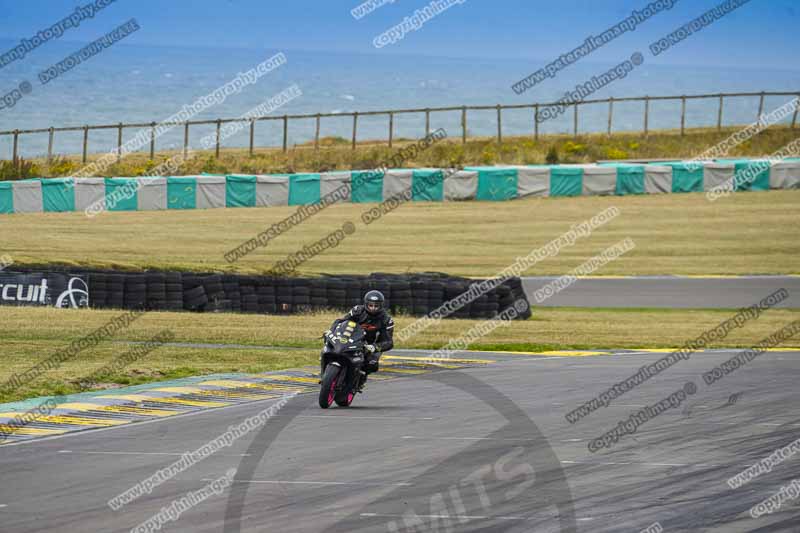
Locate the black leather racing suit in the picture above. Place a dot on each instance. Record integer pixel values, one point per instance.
(378, 330)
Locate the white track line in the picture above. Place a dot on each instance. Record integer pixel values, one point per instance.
(540, 359)
(360, 417)
(463, 438)
(176, 454)
(756, 424)
(634, 464)
(458, 516)
(283, 482)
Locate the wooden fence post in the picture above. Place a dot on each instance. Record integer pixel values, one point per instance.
(252, 136)
(119, 142)
(355, 129)
(610, 114)
(391, 128)
(85, 144)
(217, 140)
(499, 124)
(15, 151)
(152, 140)
(50, 135)
(285, 133)
(427, 122)
(316, 133)
(464, 125)
(575, 120)
(683, 115)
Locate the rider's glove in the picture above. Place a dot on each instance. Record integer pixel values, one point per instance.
(370, 348)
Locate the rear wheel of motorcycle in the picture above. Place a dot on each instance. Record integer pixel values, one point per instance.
(328, 391)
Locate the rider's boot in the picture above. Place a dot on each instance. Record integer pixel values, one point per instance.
(362, 381)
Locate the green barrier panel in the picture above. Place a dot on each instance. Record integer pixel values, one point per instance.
(566, 181)
(367, 187)
(630, 179)
(121, 194)
(58, 195)
(240, 191)
(497, 185)
(304, 189)
(427, 186)
(6, 198)
(747, 177)
(685, 179)
(181, 193)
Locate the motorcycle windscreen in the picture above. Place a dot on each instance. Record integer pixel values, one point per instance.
(349, 336)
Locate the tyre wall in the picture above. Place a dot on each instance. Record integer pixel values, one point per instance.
(412, 294)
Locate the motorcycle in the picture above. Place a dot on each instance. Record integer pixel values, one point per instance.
(342, 361)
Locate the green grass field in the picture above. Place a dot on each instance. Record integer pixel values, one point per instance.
(746, 233)
(30, 335)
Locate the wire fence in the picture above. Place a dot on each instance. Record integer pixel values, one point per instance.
(391, 114)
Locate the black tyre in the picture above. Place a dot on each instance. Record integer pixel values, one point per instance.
(172, 277)
(194, 293)
(337, 294)
(344, 398)
(327, 392)
(194, 303)
(136, 287)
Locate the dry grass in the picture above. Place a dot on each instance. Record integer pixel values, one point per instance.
(746, 233)
(336, 153)
(30, 335)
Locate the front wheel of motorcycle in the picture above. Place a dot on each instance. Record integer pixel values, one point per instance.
(345, 397)
(327, 392)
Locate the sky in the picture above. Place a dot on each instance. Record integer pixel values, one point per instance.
(761, 33)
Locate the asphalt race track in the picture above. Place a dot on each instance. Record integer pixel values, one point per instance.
(487, 448)
(666, 291)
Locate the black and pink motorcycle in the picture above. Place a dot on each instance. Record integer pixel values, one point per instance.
(342, 361)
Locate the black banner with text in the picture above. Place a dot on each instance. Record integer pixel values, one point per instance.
(44, 289)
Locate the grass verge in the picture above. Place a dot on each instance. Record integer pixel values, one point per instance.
(336, 153)
(30, 335)
(746, 233)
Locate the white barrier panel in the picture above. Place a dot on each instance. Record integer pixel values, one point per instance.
(27, 196)
(272, 191)
(463, 185)
(210, 192)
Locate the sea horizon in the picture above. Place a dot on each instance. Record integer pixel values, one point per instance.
(133, 83)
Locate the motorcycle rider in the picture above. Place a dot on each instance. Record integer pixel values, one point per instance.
(378, 328)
